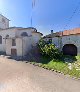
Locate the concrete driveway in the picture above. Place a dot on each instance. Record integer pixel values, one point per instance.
(22, 77)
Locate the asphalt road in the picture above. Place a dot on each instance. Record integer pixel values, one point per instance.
(23, 77)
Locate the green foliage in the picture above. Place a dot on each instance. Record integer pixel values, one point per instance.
(42, 43)
(77, 57)
(49, 50)
(53, 59)
(59, 66)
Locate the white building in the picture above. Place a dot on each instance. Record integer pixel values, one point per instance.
(17, 41)
(67, 41)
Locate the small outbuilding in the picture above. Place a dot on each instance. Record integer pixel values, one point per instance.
(67, 41)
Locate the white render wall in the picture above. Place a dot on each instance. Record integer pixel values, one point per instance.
(29, 42)
(35, 38)
(3, 33)
(28, 31)
(23, 44)
(8, 46)
(27, 45)
(19, 47)
(71, 39)
(55, 41)
(4, 22)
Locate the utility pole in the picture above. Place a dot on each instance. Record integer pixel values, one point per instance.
(33, 6)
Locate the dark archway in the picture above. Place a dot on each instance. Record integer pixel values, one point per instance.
(70, 49)
(24, 34)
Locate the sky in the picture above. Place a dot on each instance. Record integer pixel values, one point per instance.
(47, 14)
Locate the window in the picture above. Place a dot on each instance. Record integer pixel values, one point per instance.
(13, 42)
(3, 20)
(24, 34)
(0, 39)
(50, 41)
(7, 36)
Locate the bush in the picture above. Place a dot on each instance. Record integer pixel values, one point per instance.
(49, 50)
(41, 43)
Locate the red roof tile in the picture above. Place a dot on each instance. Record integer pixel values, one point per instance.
(71, 32)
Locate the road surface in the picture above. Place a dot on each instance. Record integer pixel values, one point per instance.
(16, 76)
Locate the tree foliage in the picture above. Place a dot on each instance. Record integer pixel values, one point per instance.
(49, 50)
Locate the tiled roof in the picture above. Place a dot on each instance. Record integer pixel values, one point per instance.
(71, 32)
(57, 34)
(64, 33)
(37, 32)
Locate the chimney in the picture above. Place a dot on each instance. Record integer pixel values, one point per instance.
(51, 31)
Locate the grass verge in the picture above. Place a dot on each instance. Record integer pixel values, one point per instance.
(62, 66)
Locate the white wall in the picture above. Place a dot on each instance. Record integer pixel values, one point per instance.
(27, 44)
(19, 46)
(23, 44)
(35, 38)
(71, 39)
(4, 22)
(3, 33)
(28, 31)
(8, 46)
(55, 41)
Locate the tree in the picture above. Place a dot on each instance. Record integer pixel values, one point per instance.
(49, 50)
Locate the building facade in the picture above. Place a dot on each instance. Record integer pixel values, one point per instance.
(67, 41)
(17, 41)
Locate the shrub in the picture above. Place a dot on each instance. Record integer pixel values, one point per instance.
(49, 50)
(41, 43)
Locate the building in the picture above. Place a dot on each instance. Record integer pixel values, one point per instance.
(67, 41)
(17, 41)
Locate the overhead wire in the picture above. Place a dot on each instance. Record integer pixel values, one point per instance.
(70, 19)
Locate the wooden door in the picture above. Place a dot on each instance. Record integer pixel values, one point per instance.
(70, 49)
(13, 52)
